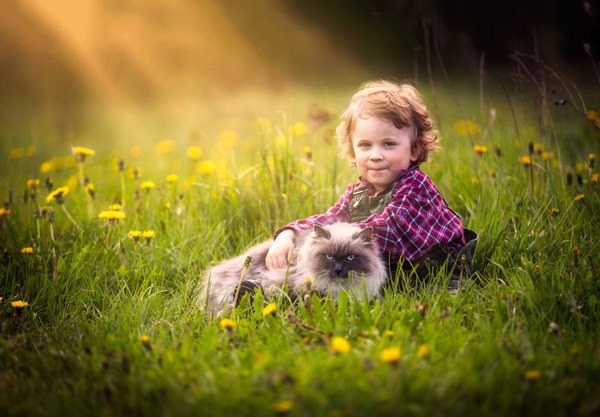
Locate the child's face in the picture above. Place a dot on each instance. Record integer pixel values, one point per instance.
(381, 150)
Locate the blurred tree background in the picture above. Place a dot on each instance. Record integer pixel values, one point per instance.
(61, 60)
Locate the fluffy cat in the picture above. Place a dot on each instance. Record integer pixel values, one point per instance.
(337, 257)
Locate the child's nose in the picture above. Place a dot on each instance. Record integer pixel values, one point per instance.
(376, 154)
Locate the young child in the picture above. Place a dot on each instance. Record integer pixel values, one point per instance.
(386, 133)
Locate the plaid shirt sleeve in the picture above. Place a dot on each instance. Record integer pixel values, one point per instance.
(337, 213)
(416, 219)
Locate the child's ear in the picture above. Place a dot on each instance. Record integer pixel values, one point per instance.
(416, 150)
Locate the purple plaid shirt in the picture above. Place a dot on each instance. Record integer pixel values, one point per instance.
(415, 220)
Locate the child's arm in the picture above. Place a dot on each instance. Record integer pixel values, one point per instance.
(281, 251)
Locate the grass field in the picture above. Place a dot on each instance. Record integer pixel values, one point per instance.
(108, 323)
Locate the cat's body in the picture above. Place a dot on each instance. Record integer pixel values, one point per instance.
(338, 257)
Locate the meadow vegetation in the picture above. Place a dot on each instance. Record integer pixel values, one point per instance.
(103, 248)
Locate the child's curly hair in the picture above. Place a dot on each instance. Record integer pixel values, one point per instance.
(400, 104)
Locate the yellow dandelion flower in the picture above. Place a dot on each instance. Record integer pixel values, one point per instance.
(47, 167)
(19, 304)
(57, 195)
(480, 149)
(115, 207)
(475, 180)
(299, 129)
(592, 156)
(172, 179)
(340, 345)
(227, 324)
(228, 139)
(526, 160)
(81, 153)
(307, 152)
(135, 234)
(390, 355)
(168, 205)
(33, 183)
(164, 147)
(555, 211)
(90, 189)
(538, 147)
(193, 153)
(283, 406)
(145, 339)
(147, 185)
(594, 178)
(206, 167)
(594, 117)
(4, 213)
(388, 333)
(423, 351)
(28, 250)
(112, 215)
(532, 375)
(546, 156)
(148, 235)
(580, 197)
(17, 153)
(269, 310)
(580, 167)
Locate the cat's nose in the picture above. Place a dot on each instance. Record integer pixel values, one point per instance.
(338, 269)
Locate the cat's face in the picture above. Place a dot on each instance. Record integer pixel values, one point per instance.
(341, 256)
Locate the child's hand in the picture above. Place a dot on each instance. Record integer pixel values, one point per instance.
(281, 251)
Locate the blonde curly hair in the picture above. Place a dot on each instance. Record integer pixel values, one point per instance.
(400, 104)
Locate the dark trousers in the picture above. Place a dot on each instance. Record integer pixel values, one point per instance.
(458, 265)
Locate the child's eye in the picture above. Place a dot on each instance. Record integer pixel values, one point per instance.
(388, 144)
(328, 257)
(350, 257)
(364, 145)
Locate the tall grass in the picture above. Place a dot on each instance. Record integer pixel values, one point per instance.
(113, 327)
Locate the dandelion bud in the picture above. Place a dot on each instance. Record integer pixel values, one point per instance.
(531, 147)
(569, 178)
(498, 151)
(579, 180)
(48, 183)
(121, 165)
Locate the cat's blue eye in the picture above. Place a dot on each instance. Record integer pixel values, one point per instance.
(350, 257)
(329, 257)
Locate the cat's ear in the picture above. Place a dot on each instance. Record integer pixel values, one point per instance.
(365, 234)
(321, 232)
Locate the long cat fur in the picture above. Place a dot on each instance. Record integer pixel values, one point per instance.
(364, 274)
